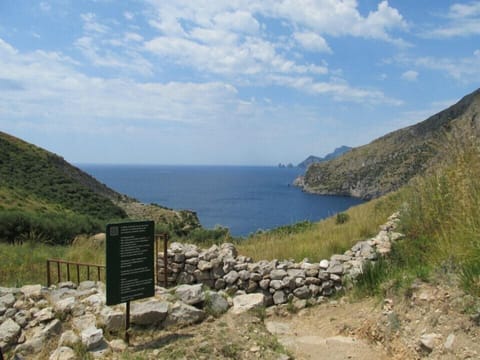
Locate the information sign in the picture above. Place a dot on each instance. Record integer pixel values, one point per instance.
(130, 261)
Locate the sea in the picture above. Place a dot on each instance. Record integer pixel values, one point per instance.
(244, 199)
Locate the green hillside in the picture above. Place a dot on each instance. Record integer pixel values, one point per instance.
(34, 179)
(44, 198)
(393, 160)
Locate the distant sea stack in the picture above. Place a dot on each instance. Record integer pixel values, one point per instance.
(392, 160)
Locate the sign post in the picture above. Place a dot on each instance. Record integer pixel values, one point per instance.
(130, 264)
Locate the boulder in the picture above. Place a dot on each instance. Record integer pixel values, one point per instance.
(44, 315)
(335, 267)
(113, 320)
(182, 314)
(243, 303)
(33, 292)
(231, 277)
(92, 338)
(150, 312)
(63, 353)
(324, 264)
(427, 341)
(87, 285)
(64, 306)
(302, 292)
(22, 317)
(7, 300)
(190, 294)
(216, 303)
(278, 274)
(9, 333)
(279, 297)
(277, 284)
(31, 346)
(68, 338)
(83, 322)
(53, 328)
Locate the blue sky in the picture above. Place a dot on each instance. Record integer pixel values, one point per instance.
(228, 82)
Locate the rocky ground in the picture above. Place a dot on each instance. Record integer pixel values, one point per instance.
(275, 310)
(435, 321)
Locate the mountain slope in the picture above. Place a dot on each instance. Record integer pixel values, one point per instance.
(39, 191)
(391, 161)
(315, 159)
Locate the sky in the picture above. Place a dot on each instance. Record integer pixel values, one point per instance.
(235, 82)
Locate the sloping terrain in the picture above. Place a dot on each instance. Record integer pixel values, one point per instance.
(42, 194)
(391, 161)
(315, 159)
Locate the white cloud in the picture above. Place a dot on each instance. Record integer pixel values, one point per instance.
(128, 15)
(233, 38)
(410, 75)
(91, 25)
(462, 69)
(339, 18)
(463, 20)
(464, 10)
(241, 21)
(465, 70)
(49, 90)
(312, 41)
(130, 36)
(45, 6)
(222, 55)
(131, 62)
(338, 89)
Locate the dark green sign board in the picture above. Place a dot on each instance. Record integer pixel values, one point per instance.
(130, 261)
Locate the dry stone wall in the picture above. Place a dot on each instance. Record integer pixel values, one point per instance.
(221, 268)
(68, 314)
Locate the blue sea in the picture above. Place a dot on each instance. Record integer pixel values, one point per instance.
(242, 198)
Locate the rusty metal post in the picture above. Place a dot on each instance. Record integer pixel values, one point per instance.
(68, 271)
(165, 259)
(78, 274)
(49, 280)
(88, 272)
(59, 273)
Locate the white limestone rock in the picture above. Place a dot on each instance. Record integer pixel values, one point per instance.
(243, 303)
(9, 333)
(92, 337)
(63, 353)
(151, 312)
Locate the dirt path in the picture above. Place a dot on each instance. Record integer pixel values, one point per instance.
(322, 332)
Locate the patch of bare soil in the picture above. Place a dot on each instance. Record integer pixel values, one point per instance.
(228, 337)
(433, 321)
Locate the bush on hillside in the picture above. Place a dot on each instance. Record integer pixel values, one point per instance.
(16, 226)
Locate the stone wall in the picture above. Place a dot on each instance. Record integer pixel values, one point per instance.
(30, 316)
(221, 268)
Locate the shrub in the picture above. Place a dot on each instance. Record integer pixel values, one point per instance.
(341, 218)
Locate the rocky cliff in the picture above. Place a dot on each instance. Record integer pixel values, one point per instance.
(391, 161)
(316, 159)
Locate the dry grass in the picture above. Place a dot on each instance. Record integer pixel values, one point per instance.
(325, 237)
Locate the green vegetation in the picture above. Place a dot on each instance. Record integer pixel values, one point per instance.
(43, 198)
(50, 182)
(317, 241)
(341, 218)
(391, 161)
(442, 224)
(26, 263)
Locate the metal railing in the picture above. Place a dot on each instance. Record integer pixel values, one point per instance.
(71, 264)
